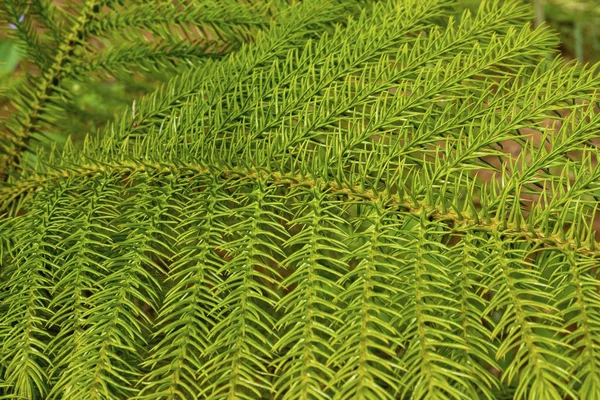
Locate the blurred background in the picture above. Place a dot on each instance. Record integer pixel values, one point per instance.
(577, 21)
(96, 101)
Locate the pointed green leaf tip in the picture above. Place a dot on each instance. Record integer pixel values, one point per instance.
(364, 200)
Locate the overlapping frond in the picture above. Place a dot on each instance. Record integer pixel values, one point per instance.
(295, 26)
(179, 33)
(184, 320)
(81, 257)
(309, 307)
(25, 292)
(399, 206)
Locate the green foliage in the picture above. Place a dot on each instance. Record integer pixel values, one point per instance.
(108, 38)
(362, 200)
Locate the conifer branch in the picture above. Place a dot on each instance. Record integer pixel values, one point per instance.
(21, 134)
(46, 11)
(494, 196)
(364, 200)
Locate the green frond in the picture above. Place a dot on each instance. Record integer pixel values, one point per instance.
(294, 27)
(521, 292)
(578, 304)
(227, 20)
(25, 286)
(427, 318)
(82, 258)
(367, 310)
(106, 354)
(470, 275)
(184, 320)
(150, 57)
(309, 306)
(242, 335)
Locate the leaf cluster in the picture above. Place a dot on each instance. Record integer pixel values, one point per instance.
(368, 200)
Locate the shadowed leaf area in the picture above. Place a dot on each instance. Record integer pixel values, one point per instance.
(362, 200)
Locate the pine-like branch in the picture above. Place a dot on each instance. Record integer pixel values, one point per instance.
(330, 212)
